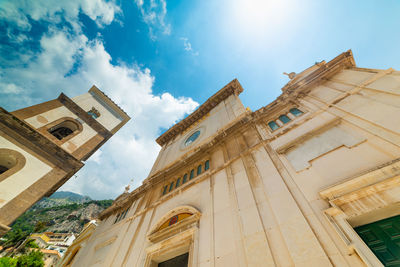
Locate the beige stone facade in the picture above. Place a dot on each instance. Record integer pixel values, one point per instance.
(42, 146)
(286, 185)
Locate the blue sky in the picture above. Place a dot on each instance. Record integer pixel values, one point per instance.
(159, 59)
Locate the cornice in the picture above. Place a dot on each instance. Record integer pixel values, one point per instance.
(233, 87)
(29, 137)
(307, 79)
(109, 101)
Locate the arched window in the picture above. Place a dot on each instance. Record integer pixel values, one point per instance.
(178, 182)
(184, 178)
(61, 132)
(116, 219)
(207, 165)
(11, 161)
(296, 112)
(273, 125)
(64, 129)
(191, 174)
(171, 186)
(165, 190)
(199, 170)
(284, 119)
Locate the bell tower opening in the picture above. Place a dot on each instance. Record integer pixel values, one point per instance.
(63, 129)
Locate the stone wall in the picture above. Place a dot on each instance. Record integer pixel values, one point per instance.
(289, 197)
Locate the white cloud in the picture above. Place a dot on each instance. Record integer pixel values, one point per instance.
(188, 46)
(153, 14)
(54, 11)
(52, 69)
(10, 88)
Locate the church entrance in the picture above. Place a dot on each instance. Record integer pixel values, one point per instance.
(383, 238)
(179, 261)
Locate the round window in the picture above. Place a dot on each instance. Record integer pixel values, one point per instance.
(192, 138)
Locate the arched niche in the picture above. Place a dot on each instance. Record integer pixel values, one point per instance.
(11, 161)
(61, 130)
(174, 221)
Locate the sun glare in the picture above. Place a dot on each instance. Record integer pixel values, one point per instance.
(257, 16)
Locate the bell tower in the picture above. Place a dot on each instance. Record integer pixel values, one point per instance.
(42, 146)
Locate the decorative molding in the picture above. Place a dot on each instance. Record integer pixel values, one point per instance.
(156, 234)
(94, 90)
(20, 131)
(44, 186)
(233, 87)
(371, 195)
(366, 178)
(18, 158)
(31, 111)
(89, 147)
(185, 241)
(305, 81)
(77, 110)
(44, 130)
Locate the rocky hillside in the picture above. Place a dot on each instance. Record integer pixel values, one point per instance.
(60, 199)
(62, 212)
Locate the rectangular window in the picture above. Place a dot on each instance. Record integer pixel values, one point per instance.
(273, 125)
(126, 212)
(123, 215)
(199, 170)
(184, 178)
(178, 182)
(296, 112)
(171, 186)
(284, 119)
(116, 219)
(165, 190)
(191, 174)
(207, 165)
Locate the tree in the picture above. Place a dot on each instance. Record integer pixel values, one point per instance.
(33, 259)
(14, 237)
(40, 226)
(8, 262)
(31, 244)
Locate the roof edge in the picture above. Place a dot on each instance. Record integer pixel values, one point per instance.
(110, 102)
(234, 87)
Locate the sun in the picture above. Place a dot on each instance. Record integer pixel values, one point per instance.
(259, 16)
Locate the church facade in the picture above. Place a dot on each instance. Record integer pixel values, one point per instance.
(42, 146)
(311, 179)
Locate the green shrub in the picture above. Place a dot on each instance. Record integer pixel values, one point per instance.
(8, 262)
(31, 244)
(33, 259)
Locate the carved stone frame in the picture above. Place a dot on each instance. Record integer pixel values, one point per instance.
(174, 240)
(348, 209)
(44, 130)
(19, 162)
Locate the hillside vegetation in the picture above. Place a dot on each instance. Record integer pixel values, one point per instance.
(62, 212)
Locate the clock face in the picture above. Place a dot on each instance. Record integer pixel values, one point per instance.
(192, 138)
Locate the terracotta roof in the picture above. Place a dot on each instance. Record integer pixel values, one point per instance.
(49, 251)
(233, 87)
